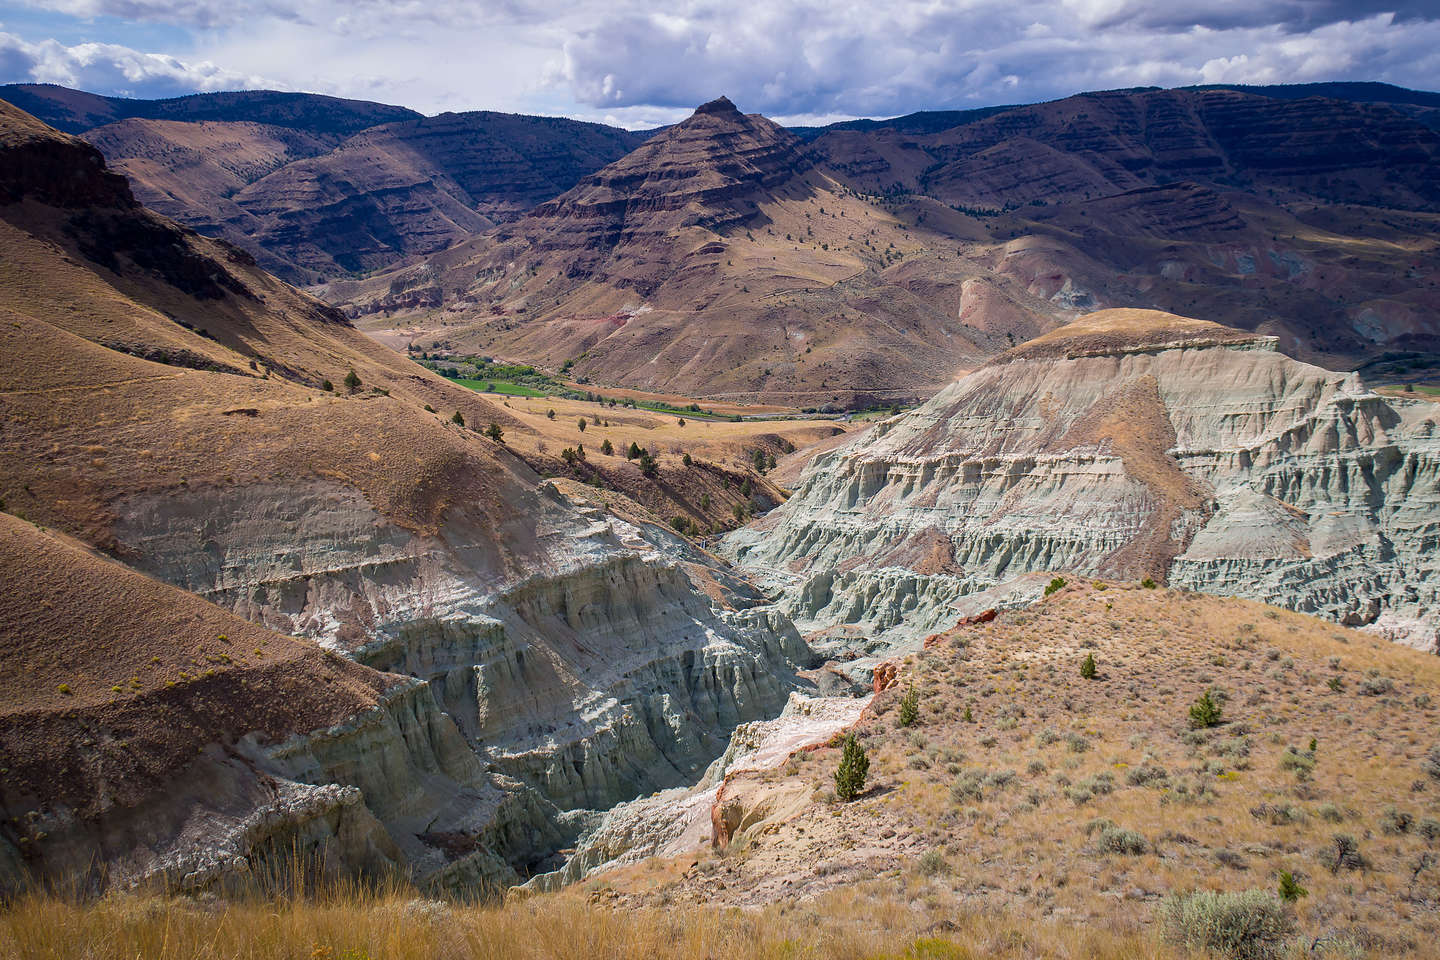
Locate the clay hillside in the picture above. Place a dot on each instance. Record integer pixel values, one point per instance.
(728, 259)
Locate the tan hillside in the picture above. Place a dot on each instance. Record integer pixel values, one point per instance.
(1027, 792)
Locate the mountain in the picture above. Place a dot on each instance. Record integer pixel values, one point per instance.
(270, 589)
(316, 206)
(75, 111)
(714, 260)
(1128, 445)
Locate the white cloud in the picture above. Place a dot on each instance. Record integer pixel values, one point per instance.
(637, 63)
(116, 69)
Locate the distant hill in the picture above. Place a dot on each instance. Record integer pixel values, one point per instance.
(76, 111)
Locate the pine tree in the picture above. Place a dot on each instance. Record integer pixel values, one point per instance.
(607, 448)
(495, 432)
(909, 707)
(853, 769)
(458, 419)
(1087, 667)
(1205, 712)
(351, 381)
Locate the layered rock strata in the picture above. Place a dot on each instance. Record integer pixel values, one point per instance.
(1130, 444)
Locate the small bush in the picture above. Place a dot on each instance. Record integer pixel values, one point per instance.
(1429, 830)
(64, 689)
(1248, 925)
(1394, 821)
(1148, 584)
(932, 863)
(854, 768)
(1300, 763)
(352, 382)
(1077, 743)
(1054, 585)
(1331, 813)
(495, 432)
(1342, 854)
(1121, 840)
(1375, 686)
(1146, 774)
(1277, 814)
(1087, 667)
(1205, 712)
(1431, 763)
(1047, 736)
(458, 419)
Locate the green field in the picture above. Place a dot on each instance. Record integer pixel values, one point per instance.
(502, 386)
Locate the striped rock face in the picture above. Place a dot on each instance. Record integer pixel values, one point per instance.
(1130, 444)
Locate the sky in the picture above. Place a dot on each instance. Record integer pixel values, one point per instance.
(638, 64)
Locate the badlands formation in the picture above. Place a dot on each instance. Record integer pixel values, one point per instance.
(1130, 445)
(218, 463)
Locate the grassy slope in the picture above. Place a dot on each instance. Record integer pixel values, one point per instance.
(1227, 814)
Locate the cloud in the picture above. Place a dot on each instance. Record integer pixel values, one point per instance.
(638, 62)
(115, 69)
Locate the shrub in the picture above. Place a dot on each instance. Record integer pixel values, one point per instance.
(607, 448)
(1146, 774)
(909, 707)
(854, 768)
(1331, 813)
(458, 419)
(648, 466)
(549, 414)
(327, 386)
(1429, 830)
(1394, 821)
(64, 689)
(687, 460)
(1205, 712)
(634, 451)
(1431, 763)
(1121, 840)
(1276, 814)
(1054, 585)
(582, 424)
(932, 863)
(1077, 743)
(495, 432)
(1342, 854)
(1302, 764)
(352, 382)
(1248, 925)
(1148, 584)
(1087, 667)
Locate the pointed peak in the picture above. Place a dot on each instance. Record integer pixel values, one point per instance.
(718, 106)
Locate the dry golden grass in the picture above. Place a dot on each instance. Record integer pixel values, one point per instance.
(861, 922)
(1226, 814)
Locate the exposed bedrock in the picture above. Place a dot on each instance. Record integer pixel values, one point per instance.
(577, 665)
(1199, 456)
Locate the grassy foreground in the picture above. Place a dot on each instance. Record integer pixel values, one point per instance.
(857, 923)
